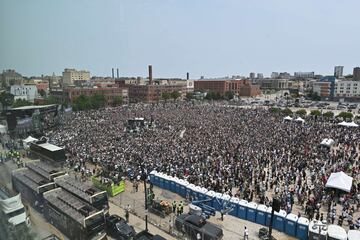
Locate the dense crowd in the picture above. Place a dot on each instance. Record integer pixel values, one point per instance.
(249, 153)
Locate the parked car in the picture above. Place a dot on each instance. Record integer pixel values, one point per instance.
(118, 228)
(192, 225)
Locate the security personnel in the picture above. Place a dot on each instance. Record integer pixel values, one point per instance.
(174, 206)
(181, 206)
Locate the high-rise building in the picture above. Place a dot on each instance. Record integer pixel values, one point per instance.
(356, 74)
(72, 76)
(338, 71)
(260, 75)
(252, 75)
(274, 75)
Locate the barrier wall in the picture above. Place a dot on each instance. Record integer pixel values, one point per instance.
(287, 223)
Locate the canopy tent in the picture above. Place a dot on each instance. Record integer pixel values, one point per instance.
(28, 140)
(299, 119)
(348, 124)
(327, 142)
(340, 181)
(288, 118)
(2, 129)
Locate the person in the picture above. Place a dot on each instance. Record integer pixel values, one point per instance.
(198, 236)
(170, 225)
(246, 234)
(127, 214)
(174, 206)
(181, 207)
(222, 214)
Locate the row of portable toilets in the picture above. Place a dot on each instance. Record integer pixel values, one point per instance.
(290, 224)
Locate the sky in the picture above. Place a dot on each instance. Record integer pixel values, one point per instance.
(211, 38)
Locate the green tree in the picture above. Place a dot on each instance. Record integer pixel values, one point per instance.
(6, 99)
(82, 103)
(21, 103)
(9, 232)
(118, 100)
(301, 112)
(229, 95)
(51, 100)
(314, 96)
(275, 110)
(315, 113)
(189, 95)
(328, 114)
(345, 115)
(165, 96)
(97, 101)
(287, 111)
(175, 95)
(42, 93)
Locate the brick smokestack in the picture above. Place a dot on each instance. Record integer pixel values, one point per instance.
(112, 72)
(187, 76)
(117, 73)
(150, 75)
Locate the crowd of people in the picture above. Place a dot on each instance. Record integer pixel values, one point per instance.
(252, 154)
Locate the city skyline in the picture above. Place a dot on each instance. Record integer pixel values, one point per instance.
(206, 38)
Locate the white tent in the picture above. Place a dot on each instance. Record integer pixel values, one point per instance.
(343, 123)
(288, 118)
(352, 124)
(340, 181)
(2, 129)
(299, 119)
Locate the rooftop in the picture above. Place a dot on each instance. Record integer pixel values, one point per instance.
(44, 169)
(50, 147)
(33, 107)
(30, 178)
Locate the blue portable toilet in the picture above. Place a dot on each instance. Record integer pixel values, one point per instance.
(251, 212)
(290, 224)
(210, 195)
(166, 182)
(217, 201)
(242, 210)
(261, 214)
(268, 216)
(152, 176)
(279, 220)
(156, 179)
(183, 187)
(196, 192)
(161, 180)
(225, 201)
(302, 228)
(314, 231)
(176, 185)
(190, 192)
(172, 184)
(234, 204)
(202, 193)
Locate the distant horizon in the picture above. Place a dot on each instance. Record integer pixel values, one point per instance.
(209, 38)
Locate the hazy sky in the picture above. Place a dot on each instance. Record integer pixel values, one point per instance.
(203, 37)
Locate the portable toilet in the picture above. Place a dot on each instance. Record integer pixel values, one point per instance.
(353, 235)
(176, 185)
(243, 208)
(202, 193)
(166, 182)
(183, 187)
(190, 192)
(196, 192)
(261, 214)
(302, 228)
(217, 201)
(268, 216)
(234, 204)
(316, 232)
(152, 176)
(156, 179)
(279, 220)
(172, 184)
(161, 180)
(225, 201)
(336, 232)
(210, 195)
(290, 224)
(251, 212)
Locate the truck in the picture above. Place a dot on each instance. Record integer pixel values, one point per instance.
(12, 206)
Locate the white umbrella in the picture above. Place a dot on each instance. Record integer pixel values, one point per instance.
(340, 181)
(288, 118)
(299, 119)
